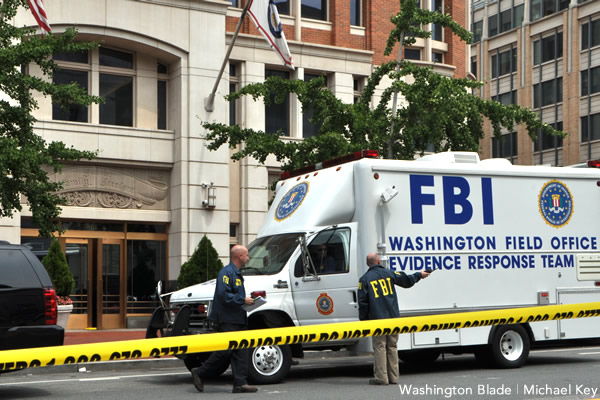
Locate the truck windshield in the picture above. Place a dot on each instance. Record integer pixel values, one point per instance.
(269, 254)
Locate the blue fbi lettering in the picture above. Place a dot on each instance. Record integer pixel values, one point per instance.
(456, 191)
(418, 199)
(458, 209)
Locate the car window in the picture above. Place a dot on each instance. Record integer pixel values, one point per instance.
(16, 271)
(329, 252)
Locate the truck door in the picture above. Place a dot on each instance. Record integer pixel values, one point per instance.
(329, 293)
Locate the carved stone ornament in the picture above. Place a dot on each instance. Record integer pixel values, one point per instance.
(88, 186)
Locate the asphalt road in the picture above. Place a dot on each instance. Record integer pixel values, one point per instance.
(570, 373)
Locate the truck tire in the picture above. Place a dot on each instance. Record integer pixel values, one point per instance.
(194, 360)
(509, 346)
(269, 364)
(419, 358)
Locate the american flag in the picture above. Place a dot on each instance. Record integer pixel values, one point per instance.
(37, 9)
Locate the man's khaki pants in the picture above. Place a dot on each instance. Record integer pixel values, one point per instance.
(385, 358)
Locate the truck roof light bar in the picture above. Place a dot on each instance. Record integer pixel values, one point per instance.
(593, 163)
(357, 155)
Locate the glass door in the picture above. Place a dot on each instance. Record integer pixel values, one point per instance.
(110, 284)
(79, 254)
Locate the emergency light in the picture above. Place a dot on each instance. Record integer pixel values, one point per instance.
(357, 155)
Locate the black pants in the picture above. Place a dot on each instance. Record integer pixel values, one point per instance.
(238, 358)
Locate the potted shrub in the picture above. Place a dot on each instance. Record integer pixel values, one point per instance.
(202, 266)
(55, 263)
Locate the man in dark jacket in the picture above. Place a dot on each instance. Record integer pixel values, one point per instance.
(229, 315)
(377, 300)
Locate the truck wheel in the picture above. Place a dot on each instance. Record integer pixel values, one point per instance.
(269, 364)
(419, 357)
(194, 360)
(509, 346)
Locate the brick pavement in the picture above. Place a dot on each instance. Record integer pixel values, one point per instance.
(98, 336)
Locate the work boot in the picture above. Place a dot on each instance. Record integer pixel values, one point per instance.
(376, 382)
(198, 382)
(244, 389)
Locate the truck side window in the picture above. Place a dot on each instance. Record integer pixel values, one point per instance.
(329, 252)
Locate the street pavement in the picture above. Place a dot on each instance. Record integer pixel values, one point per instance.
(73, 337)
(100, 336)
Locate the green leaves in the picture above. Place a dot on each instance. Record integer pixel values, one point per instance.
(202, 266)
(56, 264)
(23, 154)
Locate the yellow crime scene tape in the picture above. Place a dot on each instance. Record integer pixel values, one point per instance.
(11, 360)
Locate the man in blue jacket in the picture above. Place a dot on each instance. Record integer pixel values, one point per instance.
(228, 314)
(377, 300)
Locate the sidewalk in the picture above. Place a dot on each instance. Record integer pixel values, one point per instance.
(98, 336)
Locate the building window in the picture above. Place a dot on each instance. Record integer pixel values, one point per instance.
(592, 37)
(234, 82)
(474, 65)
(70, 112)
(314, 9)
(437, 57)
(358, 85)
(547, 49)
(493, 25)
(504, 63)
(505, 146)
(590, 78)
(549, 141)
(436, 29)
(233, 233)
(549, 92)
(507, 98)
(310, 129)
(506, 20)
(518, 15)
(283, 7)
(234, 3)
(161, 96)
(80, 57)
(590, 127)
(477, 31)
(356, 12)
(277, 116)
(543, 8)
(412, 54)
(70, 73)
(117, 91)
(115, 58)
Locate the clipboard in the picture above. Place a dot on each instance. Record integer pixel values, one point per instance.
(258, 301)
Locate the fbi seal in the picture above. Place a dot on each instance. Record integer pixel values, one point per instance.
(291, 201)
(324, 304)
(556, 203)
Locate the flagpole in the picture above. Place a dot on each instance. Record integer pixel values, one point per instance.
(209, 102)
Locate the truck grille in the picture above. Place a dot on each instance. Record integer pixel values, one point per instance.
(198, 314)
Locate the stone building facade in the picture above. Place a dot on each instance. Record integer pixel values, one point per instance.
(544, 55)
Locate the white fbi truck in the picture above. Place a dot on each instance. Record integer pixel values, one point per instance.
(496, 235)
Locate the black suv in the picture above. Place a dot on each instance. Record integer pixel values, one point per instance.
(27, 301)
